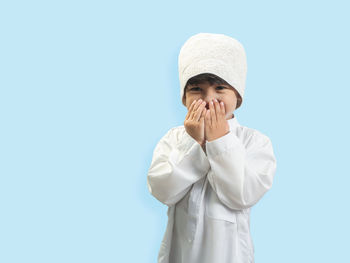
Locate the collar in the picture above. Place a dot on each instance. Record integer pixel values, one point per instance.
(233, 122)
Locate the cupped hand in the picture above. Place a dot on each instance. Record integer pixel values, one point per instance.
(216, 124)
(194, 121)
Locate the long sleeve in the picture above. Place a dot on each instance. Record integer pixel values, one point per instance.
(178, 161)
(240, 175)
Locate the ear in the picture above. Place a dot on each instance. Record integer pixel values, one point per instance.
(238, 97)
(239, 101)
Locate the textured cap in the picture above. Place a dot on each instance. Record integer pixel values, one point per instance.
(218, 54)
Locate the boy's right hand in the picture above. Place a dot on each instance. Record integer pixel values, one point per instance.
(194, 121)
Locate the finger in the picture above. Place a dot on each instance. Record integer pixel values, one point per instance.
(204, 112)
(201, 120)
(222, 106)
(190, 110)
(217, 110)
(195, 108)
(207, 118)
(199, 112)
(212, 112)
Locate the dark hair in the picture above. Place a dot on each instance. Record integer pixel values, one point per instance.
(212, 79)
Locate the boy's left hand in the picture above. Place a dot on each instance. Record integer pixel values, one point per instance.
(216, 124)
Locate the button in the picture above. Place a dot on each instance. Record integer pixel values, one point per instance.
(190, 240)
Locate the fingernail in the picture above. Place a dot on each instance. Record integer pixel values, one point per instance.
(216, 100)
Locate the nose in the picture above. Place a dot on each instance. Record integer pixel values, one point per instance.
(207, 101)
(209, 96)
(207, 105)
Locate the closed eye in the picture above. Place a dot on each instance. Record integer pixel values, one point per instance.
(218, 88)
(195, 88)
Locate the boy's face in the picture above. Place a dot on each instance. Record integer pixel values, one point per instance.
(208, 92)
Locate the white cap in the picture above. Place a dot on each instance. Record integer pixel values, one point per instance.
(218, 54)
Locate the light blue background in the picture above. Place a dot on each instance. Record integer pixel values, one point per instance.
(89, 87)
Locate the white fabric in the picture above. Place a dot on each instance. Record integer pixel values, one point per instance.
(218, 54)
(209, 195)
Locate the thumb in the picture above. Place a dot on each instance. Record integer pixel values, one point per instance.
(201, 120)
(203, 115)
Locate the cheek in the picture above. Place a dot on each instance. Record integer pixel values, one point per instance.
(228, 105)
(189, 103)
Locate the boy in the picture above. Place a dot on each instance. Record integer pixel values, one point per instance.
(211, 170)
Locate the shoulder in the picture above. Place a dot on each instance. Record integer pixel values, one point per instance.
(174, 134)
(253, 137)
(174, 138)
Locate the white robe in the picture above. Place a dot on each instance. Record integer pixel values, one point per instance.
(209, 195)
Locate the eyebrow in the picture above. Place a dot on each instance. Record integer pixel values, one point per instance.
(200, 84)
